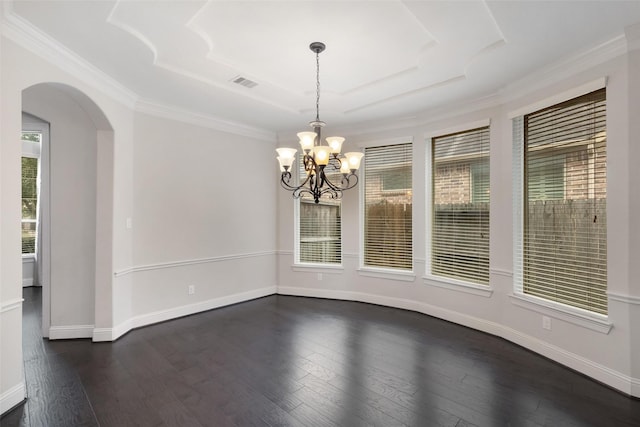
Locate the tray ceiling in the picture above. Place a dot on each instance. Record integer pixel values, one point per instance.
(383, 58)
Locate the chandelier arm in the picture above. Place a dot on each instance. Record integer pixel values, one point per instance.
(334, 194)
(331, 185)
(297, 193)
(345, 182)
(346, 178)
(286, 178)
(286, 185)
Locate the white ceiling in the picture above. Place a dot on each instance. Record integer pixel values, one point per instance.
(383, 58)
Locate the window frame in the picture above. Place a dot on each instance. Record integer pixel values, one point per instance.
(383, 272)
(577, 316)
(298, 251)
(482, 159)
(303, 265)
(33, 150)
(428, 278)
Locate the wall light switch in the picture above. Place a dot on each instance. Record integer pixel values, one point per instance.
(319, 276)
(129, 223)
(546, 323)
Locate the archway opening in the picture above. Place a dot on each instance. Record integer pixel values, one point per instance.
(75, 205)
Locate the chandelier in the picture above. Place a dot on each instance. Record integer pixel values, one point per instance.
(320, 161)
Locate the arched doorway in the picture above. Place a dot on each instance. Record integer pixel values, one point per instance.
(75, 213)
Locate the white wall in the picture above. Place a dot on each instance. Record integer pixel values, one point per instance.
(634, 209)
(12, 389)
(202, 217)
(583, 345)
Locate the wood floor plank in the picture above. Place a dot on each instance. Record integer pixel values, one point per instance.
(291, 361)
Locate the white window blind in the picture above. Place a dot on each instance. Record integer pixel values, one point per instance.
(388, 207)
(517, 180)
(460, 206)
(564, 251)
(319, 230)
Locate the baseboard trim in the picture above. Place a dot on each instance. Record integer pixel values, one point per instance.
(635, 387)
(70, 332)
(405, 304)
(598, 372)
(12, 397)
(112, 334)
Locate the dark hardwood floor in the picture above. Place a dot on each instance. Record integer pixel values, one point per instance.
(280, 361)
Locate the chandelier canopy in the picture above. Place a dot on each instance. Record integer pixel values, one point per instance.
(320, 161)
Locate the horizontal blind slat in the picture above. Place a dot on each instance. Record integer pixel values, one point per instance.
(564, 237)
(460, 206)
(320, 231)
(388, 207)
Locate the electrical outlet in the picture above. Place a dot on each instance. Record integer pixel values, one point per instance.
(546, 323)
(192, 289)
(319, 276)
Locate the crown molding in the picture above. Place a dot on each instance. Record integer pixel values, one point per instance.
(41, 44)
(31, 38)
(211, 122)
(460, 108)
(533, 82)
(559, 97)
(422, 119)
(567, 68)
(44, 46)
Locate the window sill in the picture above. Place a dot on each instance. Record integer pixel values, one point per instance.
(383, 273)
(575, 316)
(319, 268)
(458, 285)
(28, 257)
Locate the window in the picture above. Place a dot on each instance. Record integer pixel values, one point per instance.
(387, 207)
(31, 148)
(460, 206)
(563, 253)
(319, 231)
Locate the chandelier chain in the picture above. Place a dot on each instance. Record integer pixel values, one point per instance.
(317, 86)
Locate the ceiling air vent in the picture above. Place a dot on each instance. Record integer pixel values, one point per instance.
(244, 82)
